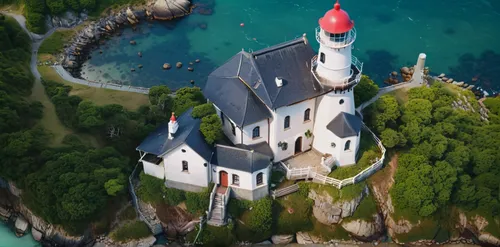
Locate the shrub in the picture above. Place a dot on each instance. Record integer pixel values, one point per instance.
(211, 128)
(127, 214)
(203, 110)
(173, 196)
(213, 236)
(237, 207)
(150, 189)
(132, 230)
(260, 218)
(197, 203)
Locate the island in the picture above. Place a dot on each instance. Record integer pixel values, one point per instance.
(282, 145)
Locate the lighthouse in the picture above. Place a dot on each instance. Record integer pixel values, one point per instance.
(337, 128)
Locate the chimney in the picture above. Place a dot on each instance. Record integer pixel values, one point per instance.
(172, 127)
(279, 81)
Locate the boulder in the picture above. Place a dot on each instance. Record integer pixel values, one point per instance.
(405, 70)
(190, 69)
(167, 66)
(328, 212)
(282, 239)
(178, 65)
(21, 226)
(197, 60)
(306, 238)
(132, 42)
(169, 9)
(477, 225)
(441, 75)
(363, 228)
(37, 235)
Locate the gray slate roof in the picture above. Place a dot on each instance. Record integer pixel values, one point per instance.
(239, 159)
(261, 147)
(157, 142)
(345, 125)
(257, 71)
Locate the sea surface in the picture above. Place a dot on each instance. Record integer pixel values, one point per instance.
(9, 239)
(461, 38)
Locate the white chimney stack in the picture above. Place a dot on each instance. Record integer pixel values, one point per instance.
(172, 126)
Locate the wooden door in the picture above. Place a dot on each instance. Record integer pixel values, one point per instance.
(298, 145)
(223, 178)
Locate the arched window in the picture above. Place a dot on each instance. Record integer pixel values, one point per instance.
(341, 101)
(322, 57)
(287, 122)
(347, 145)
(260, 178)
(256, 132)
(185, 167)
(307, 115)
(236, 179)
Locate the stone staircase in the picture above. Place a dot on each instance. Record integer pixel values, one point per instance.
(217, 216)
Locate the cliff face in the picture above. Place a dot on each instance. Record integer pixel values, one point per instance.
(477, 225)
(365, 229)
(329, 212)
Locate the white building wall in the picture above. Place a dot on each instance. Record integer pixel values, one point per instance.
(344, 157)
(227, 129)
(197, 173)
(248, 181)
(154, 169)
(248, 132)
(297, 128)
(337, 65)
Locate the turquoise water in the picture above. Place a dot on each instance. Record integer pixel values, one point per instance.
(456, 35)
(9, 239)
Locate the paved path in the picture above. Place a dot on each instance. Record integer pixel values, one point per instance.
(410, 84)
(37, 40)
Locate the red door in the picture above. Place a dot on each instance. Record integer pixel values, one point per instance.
(223, 178)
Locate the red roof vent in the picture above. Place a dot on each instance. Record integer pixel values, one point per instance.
(336, 20)
(172, 118)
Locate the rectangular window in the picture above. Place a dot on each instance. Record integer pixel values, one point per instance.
(222, 118)
(185, 166)
(322, 57)
(236, 179)
(260, 178)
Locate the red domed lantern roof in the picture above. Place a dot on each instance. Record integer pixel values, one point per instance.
(336, 20)
(172, 118)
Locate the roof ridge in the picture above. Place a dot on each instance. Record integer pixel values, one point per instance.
(254, 65)
(278, 46)
(231, 147)
(245, 110)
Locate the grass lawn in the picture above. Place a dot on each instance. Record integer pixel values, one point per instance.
(345, 194)
(49, 121)
(100, 96)
(54, 44)
(14, 8)
(366, 209)
(369, 150)
(293, 214)
(328, 232)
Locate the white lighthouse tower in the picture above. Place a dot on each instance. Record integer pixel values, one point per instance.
(336, 128)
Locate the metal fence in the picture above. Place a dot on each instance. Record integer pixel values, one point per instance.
(310, 172)
(155, 228)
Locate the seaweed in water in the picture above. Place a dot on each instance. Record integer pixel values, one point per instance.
(449, 31)
(384, 18)
(483, 70)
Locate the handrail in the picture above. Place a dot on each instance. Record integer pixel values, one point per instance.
(225, 201)
(210, 206)
(299, 173)
(155, 228)
(346, 81)
(349, 38)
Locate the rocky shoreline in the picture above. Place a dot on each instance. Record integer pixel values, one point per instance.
(91, 36)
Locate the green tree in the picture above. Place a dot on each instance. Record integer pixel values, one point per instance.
(365, 90)
(386, 112)
(419, 110)
(88, 4)
(155, 92)
(204, 110)
(211, 128)
(391, 138)
(56, 7)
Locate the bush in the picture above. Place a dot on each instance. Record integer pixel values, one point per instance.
(237, 207)
(365, 90)
(366, 209)
(150, 189)
(260, 218)
(197, 203)
(132, 230)
(127, 214)
(173, 196)
(213, 236)
(203, 110)
(254, 225)
(211, 128)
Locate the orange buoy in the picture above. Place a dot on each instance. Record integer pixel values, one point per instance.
(242, 24)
